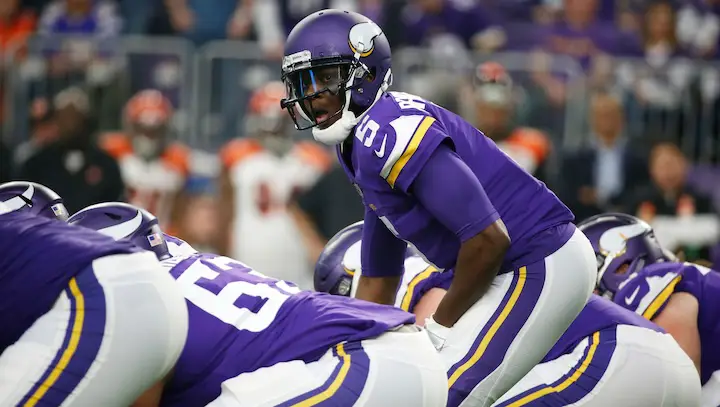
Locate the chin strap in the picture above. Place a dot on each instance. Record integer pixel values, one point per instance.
(341, 129)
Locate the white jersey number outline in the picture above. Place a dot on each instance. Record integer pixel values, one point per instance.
(222, 306)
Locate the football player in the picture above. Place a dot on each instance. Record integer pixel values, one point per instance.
(262, 173)
(258, 341)
(598, 361)
(429, 178)
(86, 320)
(153, 168)
(683, 298)
(33, 198)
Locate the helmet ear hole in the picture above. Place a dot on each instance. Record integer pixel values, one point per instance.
(623, 268)
(371, 74)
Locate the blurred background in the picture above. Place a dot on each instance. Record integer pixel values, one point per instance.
(173, 105)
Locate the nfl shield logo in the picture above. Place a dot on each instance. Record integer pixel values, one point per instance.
(155, 239)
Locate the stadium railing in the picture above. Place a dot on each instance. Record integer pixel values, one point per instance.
(210, 86)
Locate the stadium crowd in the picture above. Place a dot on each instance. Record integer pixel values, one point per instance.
(173, 105)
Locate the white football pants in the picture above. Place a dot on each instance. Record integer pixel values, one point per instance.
(115, 331)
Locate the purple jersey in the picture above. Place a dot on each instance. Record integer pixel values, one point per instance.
(648, 291)
(395, 139)
(39, 257)
(598, 314)
(241, 321)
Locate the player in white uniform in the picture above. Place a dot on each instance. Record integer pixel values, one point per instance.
(607, 357)
(86, 320)
(262, 174)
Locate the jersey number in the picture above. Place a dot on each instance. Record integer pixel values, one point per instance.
(222, 305)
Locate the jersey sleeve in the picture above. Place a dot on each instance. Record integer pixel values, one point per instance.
(237, 151)
(692, 280)
(648, 292)
(404, 145)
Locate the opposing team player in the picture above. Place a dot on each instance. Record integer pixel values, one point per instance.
(86, 321)
(153, 168)
(34, 198)
(429, 178)
(683, 298)
(263, 342)
(262, 173)
(607, 357)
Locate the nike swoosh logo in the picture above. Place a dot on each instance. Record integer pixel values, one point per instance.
(631, 298)
(380, 153)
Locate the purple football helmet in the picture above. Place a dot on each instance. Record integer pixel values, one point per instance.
(619, 239)
(340, 259)
(122, 221)
(34, 198)
(340, 52)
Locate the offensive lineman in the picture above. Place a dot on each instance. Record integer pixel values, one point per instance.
(683, 298)
(429, 178)
(86, 321)
(607, 357)
(263, 342)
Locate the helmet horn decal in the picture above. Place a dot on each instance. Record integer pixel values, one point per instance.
(19, 202)
(362, 38)
(123, 230)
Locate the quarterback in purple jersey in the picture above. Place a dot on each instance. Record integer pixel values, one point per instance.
(683, 298)
(587, 366)
(429, 178)
(258, 341)
(81, 312)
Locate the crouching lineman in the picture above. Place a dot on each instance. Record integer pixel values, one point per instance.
(683, 298)
(607, 357)
(257, 341)
(86, 320)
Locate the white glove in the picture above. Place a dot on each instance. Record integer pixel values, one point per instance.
(437, 333)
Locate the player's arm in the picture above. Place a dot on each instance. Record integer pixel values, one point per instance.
(226, 212)
(464, 208)
(382, 256)
(679, 319)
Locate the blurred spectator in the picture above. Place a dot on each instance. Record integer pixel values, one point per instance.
(431, 22)
(43, 131)
(668, 193)
(15, 26)
(698, 26)
(326, 209)
(596, 179)
(153, 169)
(273, 19)
(683, 218)
(494, 103)
(262, 174)
(660, 81)
(201, 21)
(76, 34)
(137, 14)
(5, 163)
(581, 37)
(705, 179)
(97, 18)
(73, 166)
